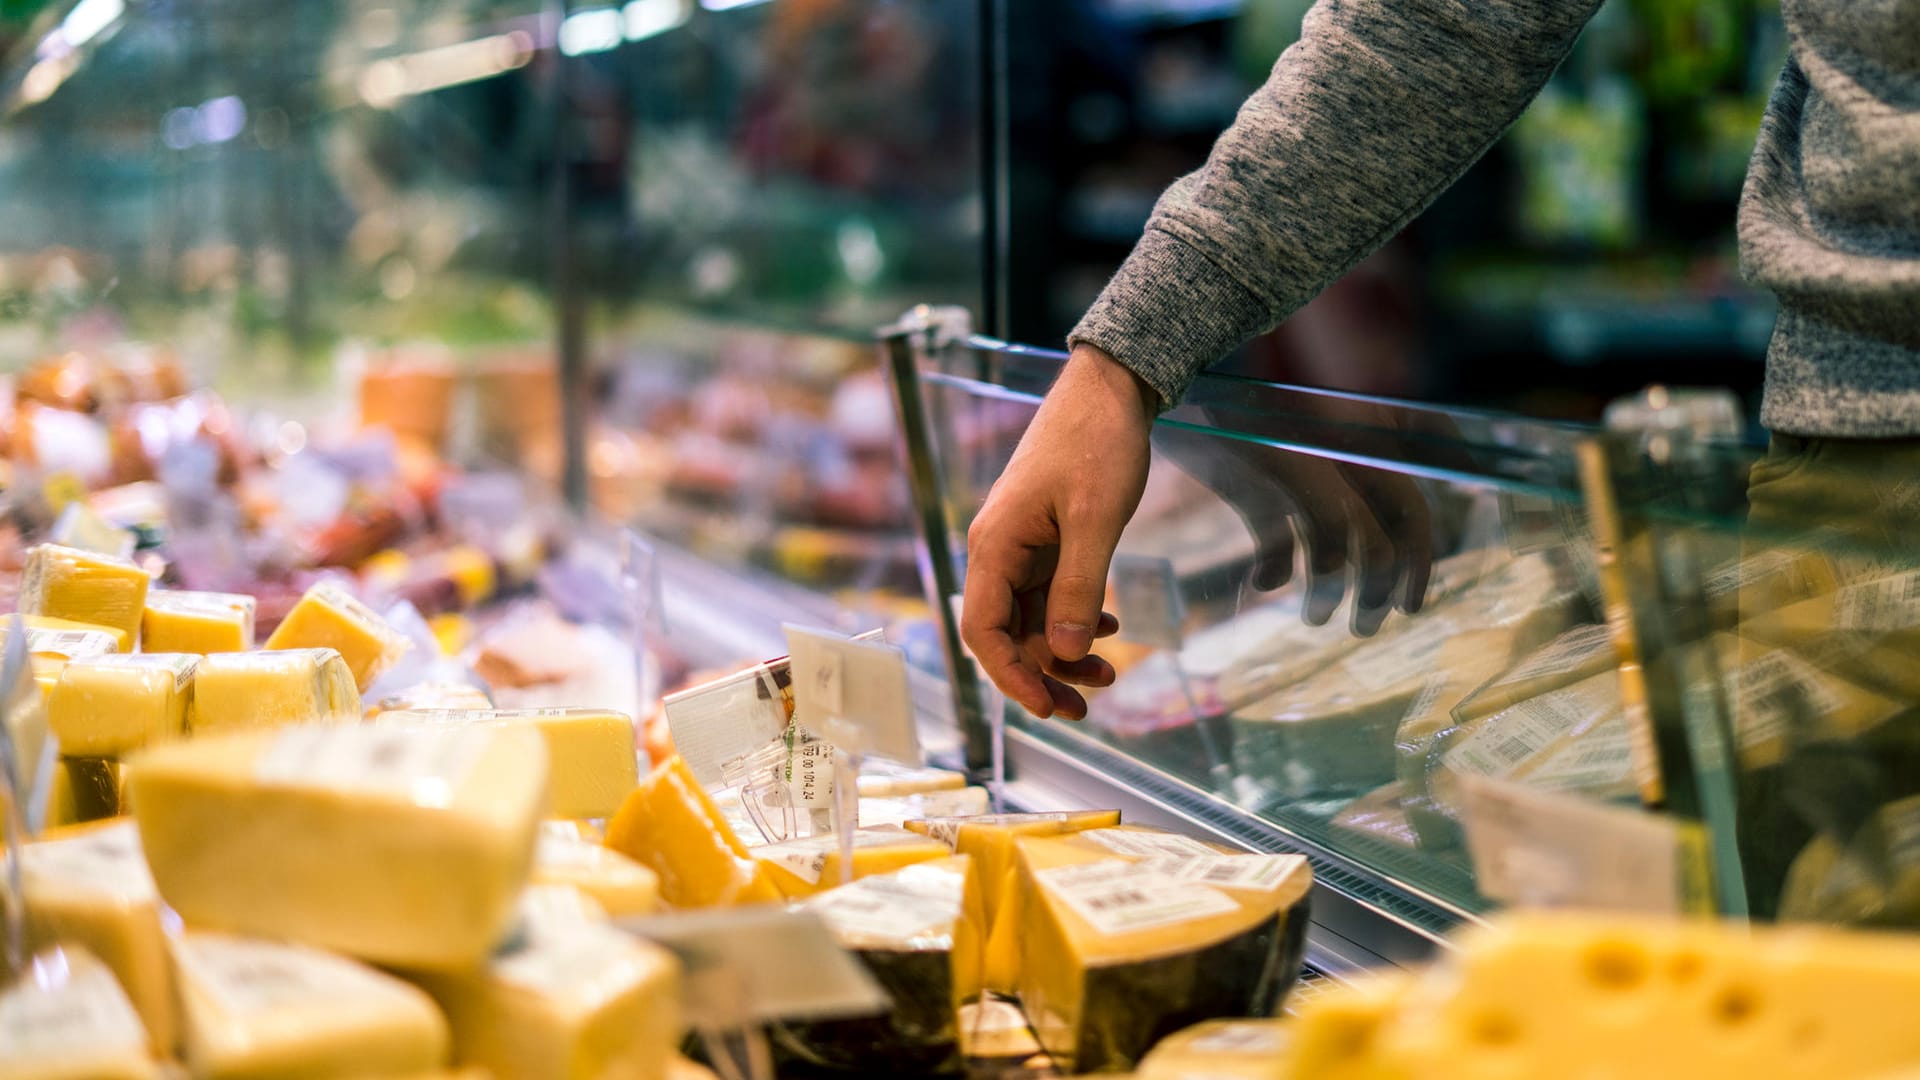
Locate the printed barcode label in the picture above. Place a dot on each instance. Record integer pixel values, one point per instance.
(1773, 692)
(1744, 572)
(1261, 872)
(1509, 738)
(1890, 603)
(1141, 843)
(1118, 897)
(809, 774)
(72, 644)
(807, 857)
(947, 830)
(1599, 762)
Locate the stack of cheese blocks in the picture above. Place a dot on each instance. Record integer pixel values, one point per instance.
(1607, 997)
(300, 892)
(1109, 936)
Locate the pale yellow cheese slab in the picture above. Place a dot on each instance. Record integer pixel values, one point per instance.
(106, 706)
(592, 763)
(270, 689)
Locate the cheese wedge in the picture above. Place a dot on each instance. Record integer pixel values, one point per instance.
(111, 705)
(403, 847)
(994, 1027)
(919, 931)
(1118, 951)
(236, 691)
(669, 825)
(893, 782)
(618, 884)
(591, 761)
(567, 998)
(65, 1018)
(267, 1009)
(197, 622)
(1220, 1050)
(91, 888)
(812, 865)
(68, 583)
(327, 617)
(1540, 994)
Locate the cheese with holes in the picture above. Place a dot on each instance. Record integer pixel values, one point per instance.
(591, 761)
(1539, 994)
(68, 583)
(327, 617)
(197, 622)
(669, 825)
(618, 884)
(812, 865)
(91, 888)
(256, 1008)
(106, 706)
(1120, 950)
(1220, 1050)
(919, 932)
(402, 847)
(566, 998)
(235, 691)
(1331, 1034)
(65, 1018)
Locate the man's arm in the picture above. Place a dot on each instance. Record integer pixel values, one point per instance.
(1380, 106)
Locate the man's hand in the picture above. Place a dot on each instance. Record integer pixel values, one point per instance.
(1038, 551)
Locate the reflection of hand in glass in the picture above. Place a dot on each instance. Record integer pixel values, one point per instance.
(1358, 527)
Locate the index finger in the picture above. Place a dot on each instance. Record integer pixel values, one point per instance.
(986, 625)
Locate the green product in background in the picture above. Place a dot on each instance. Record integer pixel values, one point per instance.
(1580, 165)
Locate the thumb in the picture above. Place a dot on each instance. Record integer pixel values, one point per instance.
(1078, 589)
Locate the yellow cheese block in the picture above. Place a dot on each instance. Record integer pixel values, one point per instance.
(1220, 1050)
(1332, 1032)
(919, 931)
(197, 622)
(68, 583)
(812, 865)
(237, 691)
(1539, 994)
(591, 761)
(54, 641)
(403, 847)
(327, 617)
(893, 782)
(111, 705)
(618, 884)
(1118, 950)
(566, 999)
(267, 1009)
(65, 1018)
(670, 825)
(91, 888)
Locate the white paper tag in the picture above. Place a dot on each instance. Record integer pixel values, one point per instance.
(1245, 1038)
(807, 857)
(1511, 737)
(421, 765)
(1741, 573)
(1598, 763)
(1147, 594)
(728, 718)
(71, 644)
(248, 976)
(109, 859)
(1772, 691)
(1115, 897)
(1545, 849)
(62, 1006)
(1263, 873)
(1888, 603)
(896, 906)
(861, 686)
(809, 776)
(1140, 843)
(743, 965)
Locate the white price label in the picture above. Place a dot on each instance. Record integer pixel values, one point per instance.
(1141, 843)
(809, 774)
(1546, 849)
(855, 692)
(901, 906)
(1263, 873)
(1889, 603)
(1117, 897)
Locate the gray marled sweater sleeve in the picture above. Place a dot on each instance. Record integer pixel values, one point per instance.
(1375, 111)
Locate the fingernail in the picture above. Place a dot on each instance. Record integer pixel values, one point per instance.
(1070, 641)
